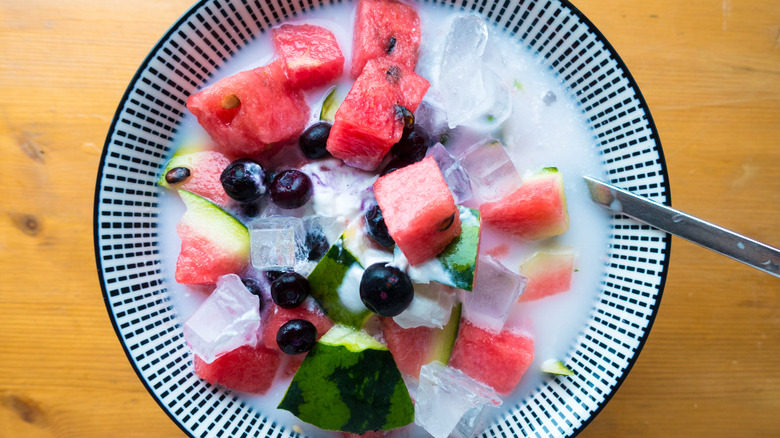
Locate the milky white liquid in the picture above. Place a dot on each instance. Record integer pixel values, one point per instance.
(537, 135)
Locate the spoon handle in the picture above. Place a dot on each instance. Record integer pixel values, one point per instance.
(744, 249)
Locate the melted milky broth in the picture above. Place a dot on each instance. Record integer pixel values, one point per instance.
(538, 134)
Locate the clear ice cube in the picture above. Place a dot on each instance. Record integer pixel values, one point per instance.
(226, 320)
(491, 172)
(445, 395)
(454, 174)
(472, 92)
(430, 307)
(460, 77)
(496, 290)
(277, 242)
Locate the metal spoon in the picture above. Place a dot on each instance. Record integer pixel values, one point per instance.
(718, 239)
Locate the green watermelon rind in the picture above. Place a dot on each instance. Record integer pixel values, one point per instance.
(325, 280)
(445, 339)
(222, 226)
(329, 106)
(336, 388)
(459, 258)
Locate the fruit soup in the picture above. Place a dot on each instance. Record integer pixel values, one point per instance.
(529, 118)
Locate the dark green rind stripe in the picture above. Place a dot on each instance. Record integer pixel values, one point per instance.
(459, 258)
(325, 280)
(356, 392)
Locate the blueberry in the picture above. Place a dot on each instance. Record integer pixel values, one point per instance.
(243, 180)
(289, 290)
(317, 243)
(376, 228)
(291, 189)
(386, 290)
(296, 336)
(413, 144)
(314, 139)
(177, 175)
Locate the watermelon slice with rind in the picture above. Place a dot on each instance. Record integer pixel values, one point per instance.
(548, 273)
(456, 265)
(534, 211)
(349, 382)
(213, 243)
(205, 168)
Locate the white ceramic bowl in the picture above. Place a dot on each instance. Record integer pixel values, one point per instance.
(127, 213)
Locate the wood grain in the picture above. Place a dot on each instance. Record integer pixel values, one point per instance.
(710, 71)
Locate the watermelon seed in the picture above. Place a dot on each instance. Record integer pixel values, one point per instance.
(393, 74)
(446, 223)
(230, 101)
(177, 175)
(390, 45)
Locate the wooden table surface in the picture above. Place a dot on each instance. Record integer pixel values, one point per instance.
(709, 69)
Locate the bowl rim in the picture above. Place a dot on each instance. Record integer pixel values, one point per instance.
(665, 186)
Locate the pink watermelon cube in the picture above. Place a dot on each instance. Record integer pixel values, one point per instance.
(311, 54)
(498, 360)
(534, 211)
(419, 211)
(278, 316)
(247, 113)
(247, 369)
(548, 273)
(385, 28)
(368, 123)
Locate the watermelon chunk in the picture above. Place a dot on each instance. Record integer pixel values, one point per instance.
(205, 168)
(278, 316)
(247, 369)
(548, 273)
(498, 360)
(536, 210)
(311, 54)
(213, 243)
(385, 28)
(369, 122)
(417, 346)
(247, 113)
(418, 208)
(349, 382)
